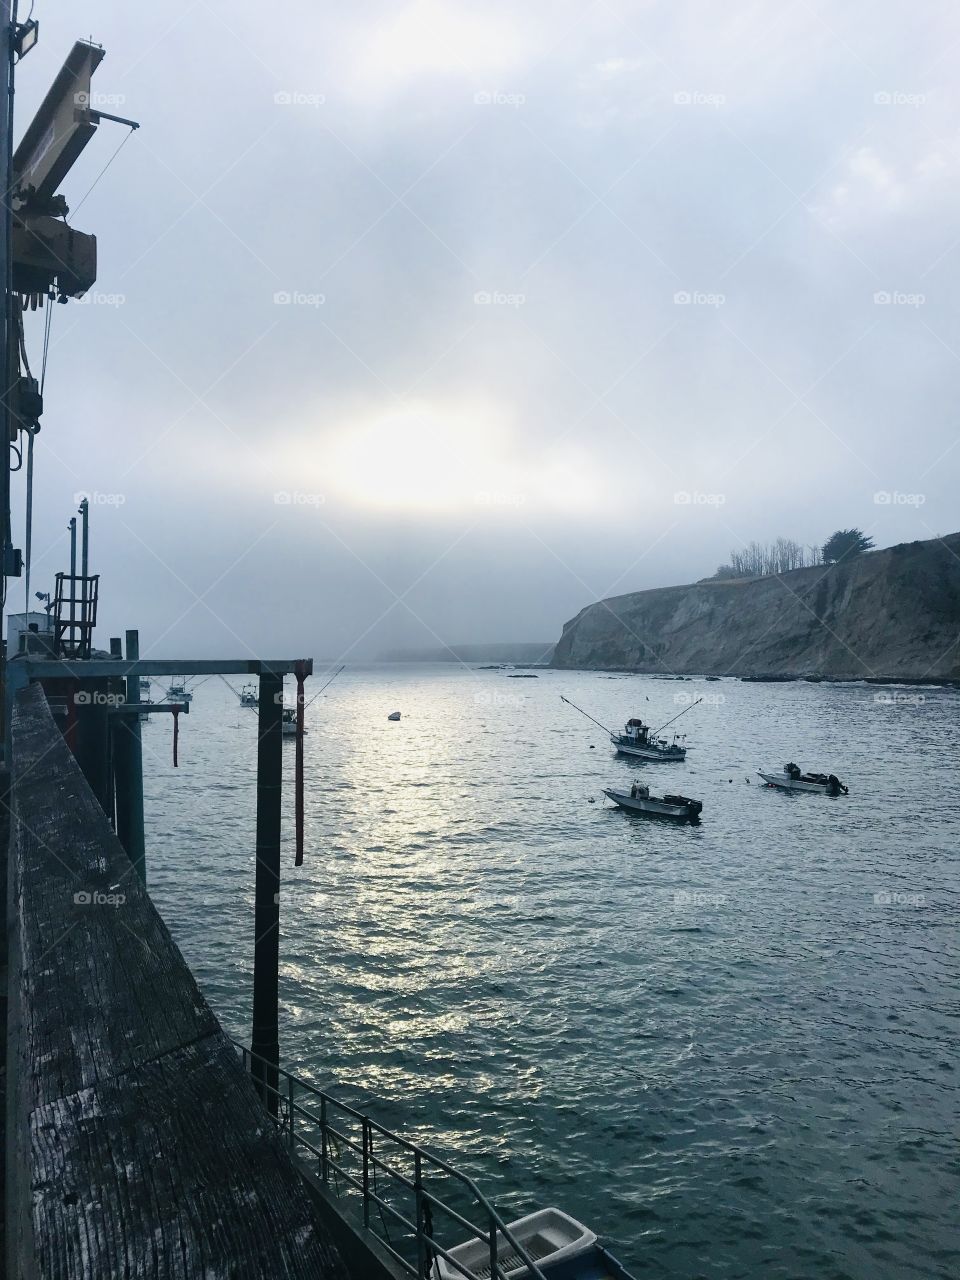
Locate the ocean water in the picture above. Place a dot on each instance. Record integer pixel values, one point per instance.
(731, 1049)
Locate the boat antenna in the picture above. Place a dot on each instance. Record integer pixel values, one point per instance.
(677, 717)
(584, 713)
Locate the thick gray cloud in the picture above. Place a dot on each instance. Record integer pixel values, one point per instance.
(481, 292)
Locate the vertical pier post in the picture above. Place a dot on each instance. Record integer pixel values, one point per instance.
(7, 344)
(128, 768)
(266, 951)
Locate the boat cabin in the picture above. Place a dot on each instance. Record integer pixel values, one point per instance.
(636, 730)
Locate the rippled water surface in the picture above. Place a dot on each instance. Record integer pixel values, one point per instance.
(730, 1049)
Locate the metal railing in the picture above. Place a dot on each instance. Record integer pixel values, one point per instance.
(354, 1154)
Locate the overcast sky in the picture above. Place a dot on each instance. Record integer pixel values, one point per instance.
(516, 306)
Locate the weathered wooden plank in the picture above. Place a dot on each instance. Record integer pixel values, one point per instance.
(138, 1147)
(98, 964)
(189, 1166)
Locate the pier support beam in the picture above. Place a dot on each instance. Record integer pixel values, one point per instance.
(265, 1041)
(128, 769)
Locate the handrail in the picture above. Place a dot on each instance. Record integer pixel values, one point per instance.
(422, 1228)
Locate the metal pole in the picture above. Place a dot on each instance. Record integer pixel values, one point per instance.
(84, 565)
(266, 949)
(6, 328)
(128, 769)
(73, 582)
(677, 717)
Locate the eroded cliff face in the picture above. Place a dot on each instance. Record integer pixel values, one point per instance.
(888, 614)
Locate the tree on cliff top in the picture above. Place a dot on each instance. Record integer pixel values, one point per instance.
(843, 543)
(759, 559)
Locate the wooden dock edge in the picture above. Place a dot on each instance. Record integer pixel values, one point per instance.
(136, 1144)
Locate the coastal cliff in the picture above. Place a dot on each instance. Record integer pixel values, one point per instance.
(884, 614)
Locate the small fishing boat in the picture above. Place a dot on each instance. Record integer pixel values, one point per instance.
(249, 696)
(793, 779)
(636, 741)
(639, 800)
(394, 715)
(561, 1247)
(288, 722)
(178, 692)
(144, 684)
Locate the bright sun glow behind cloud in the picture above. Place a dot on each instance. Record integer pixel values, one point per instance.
(428, 459)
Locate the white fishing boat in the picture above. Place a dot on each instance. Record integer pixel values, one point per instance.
(178, 692)
(791, 778)
(639, 800)
(249, 697)
(561, 1247)
(636, 741)
(641, 742)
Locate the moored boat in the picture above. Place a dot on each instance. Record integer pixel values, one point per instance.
(560, 1247)
(639, 800)
(637, 741)
(178, 692)
(249, 696)
(792, 778)
(288, 722)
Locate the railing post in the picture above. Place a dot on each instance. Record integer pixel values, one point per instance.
(366, 1171)
(422, 1261)
(290, 1138)
(324, 1171)
(494, 1271)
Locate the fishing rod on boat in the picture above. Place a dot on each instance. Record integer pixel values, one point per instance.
(587, 714)
(677, 717)
(325, 686)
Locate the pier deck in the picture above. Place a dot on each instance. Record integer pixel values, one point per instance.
(137, 1146)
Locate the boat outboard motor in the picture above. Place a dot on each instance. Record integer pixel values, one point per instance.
(835, 786)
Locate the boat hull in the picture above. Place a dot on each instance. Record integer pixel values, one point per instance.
(674, 755)
(651, 808)
(551, 1238)
(784, 782)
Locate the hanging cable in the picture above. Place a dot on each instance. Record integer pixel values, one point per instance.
(21, 336)
(48, 320)
(327, 685)
(76, 209)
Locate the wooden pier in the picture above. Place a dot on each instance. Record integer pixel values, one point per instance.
(137, 1145)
